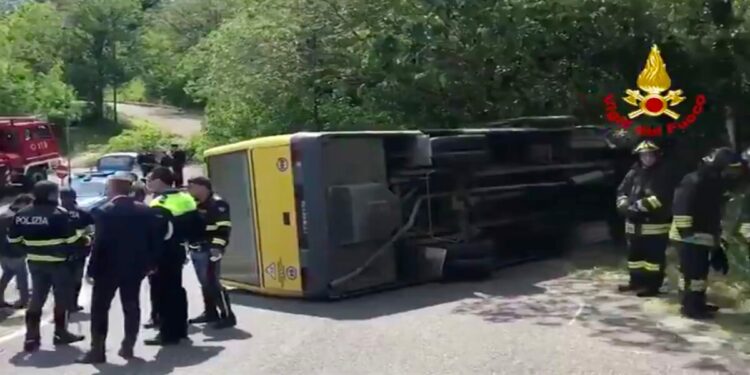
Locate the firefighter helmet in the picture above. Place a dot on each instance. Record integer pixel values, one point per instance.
(720, 158)
(646, 146)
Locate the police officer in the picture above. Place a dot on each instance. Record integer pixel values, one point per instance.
(206, 254)
(183, 225)
(82, 221)
(696, 230)
(13, 259)
(644, 197)
(46, 233)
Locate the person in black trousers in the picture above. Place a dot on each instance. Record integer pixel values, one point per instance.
(126, 247)
(82, 220)
(181, 224)
(139, 193)
(179, 158)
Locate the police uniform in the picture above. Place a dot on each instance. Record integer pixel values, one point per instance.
(82, 220)
(182, 224)
(215, 213)
(48, 236)
(644, 197)
(696, 229)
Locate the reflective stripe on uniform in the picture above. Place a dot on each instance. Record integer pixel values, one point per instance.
(653, 201)
(218, 241)
(697, 285)
(643, 265)
(15, 239)
(682, 221)
(704, 239)
(51, 242)
(646, 229)
(218, 225)
(44, 258)
(745, 230)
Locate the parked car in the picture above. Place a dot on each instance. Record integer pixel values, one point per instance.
(91, 188)
(119, 162)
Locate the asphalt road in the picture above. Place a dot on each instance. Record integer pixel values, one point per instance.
(552, 317)
(534, 319)
(179, 122)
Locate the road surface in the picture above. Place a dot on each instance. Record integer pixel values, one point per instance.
(533, 319)
(553, 317)
(182, 123)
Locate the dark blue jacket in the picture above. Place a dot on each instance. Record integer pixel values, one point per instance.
(6, 250)
(127, 241)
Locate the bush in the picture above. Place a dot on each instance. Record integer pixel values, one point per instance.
(140, 135)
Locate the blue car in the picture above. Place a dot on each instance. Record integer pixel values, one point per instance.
(91, 188)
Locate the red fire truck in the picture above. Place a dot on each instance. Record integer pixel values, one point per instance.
(28, 150)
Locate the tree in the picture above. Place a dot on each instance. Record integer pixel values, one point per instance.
(103, 34)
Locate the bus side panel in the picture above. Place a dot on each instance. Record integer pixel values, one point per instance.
(277, 224)
(231, 179)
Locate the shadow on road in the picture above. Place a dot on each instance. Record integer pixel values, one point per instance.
(507, 284)
(587, 298)
(61, 356)
(214, 335)
(169, 360)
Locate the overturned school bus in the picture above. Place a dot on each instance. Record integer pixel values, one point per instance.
(330, 214)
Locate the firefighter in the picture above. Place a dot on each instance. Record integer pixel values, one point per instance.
(82, 221)
(46, 233)
(206, 254)
(696, 230)
(644, 198)
(183, 225)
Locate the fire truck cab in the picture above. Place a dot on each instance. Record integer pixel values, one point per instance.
(28, 150)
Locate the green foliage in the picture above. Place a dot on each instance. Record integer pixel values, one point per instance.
(101, 39)
(31, 79)
(140, 135)
(133, 91)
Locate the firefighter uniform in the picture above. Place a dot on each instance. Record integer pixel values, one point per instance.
(48, 236)
(644, 198)
(183, 225)
(82, 221)
(206, 257)
(696, 229)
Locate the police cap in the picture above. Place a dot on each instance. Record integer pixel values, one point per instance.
(46, 192)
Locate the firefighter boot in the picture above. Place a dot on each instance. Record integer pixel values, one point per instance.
(651, 283)
(33, 340)
(209, 314)
(97, 354)
(62, 335)
(226, 315)
(635, 284)
(694, 306)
